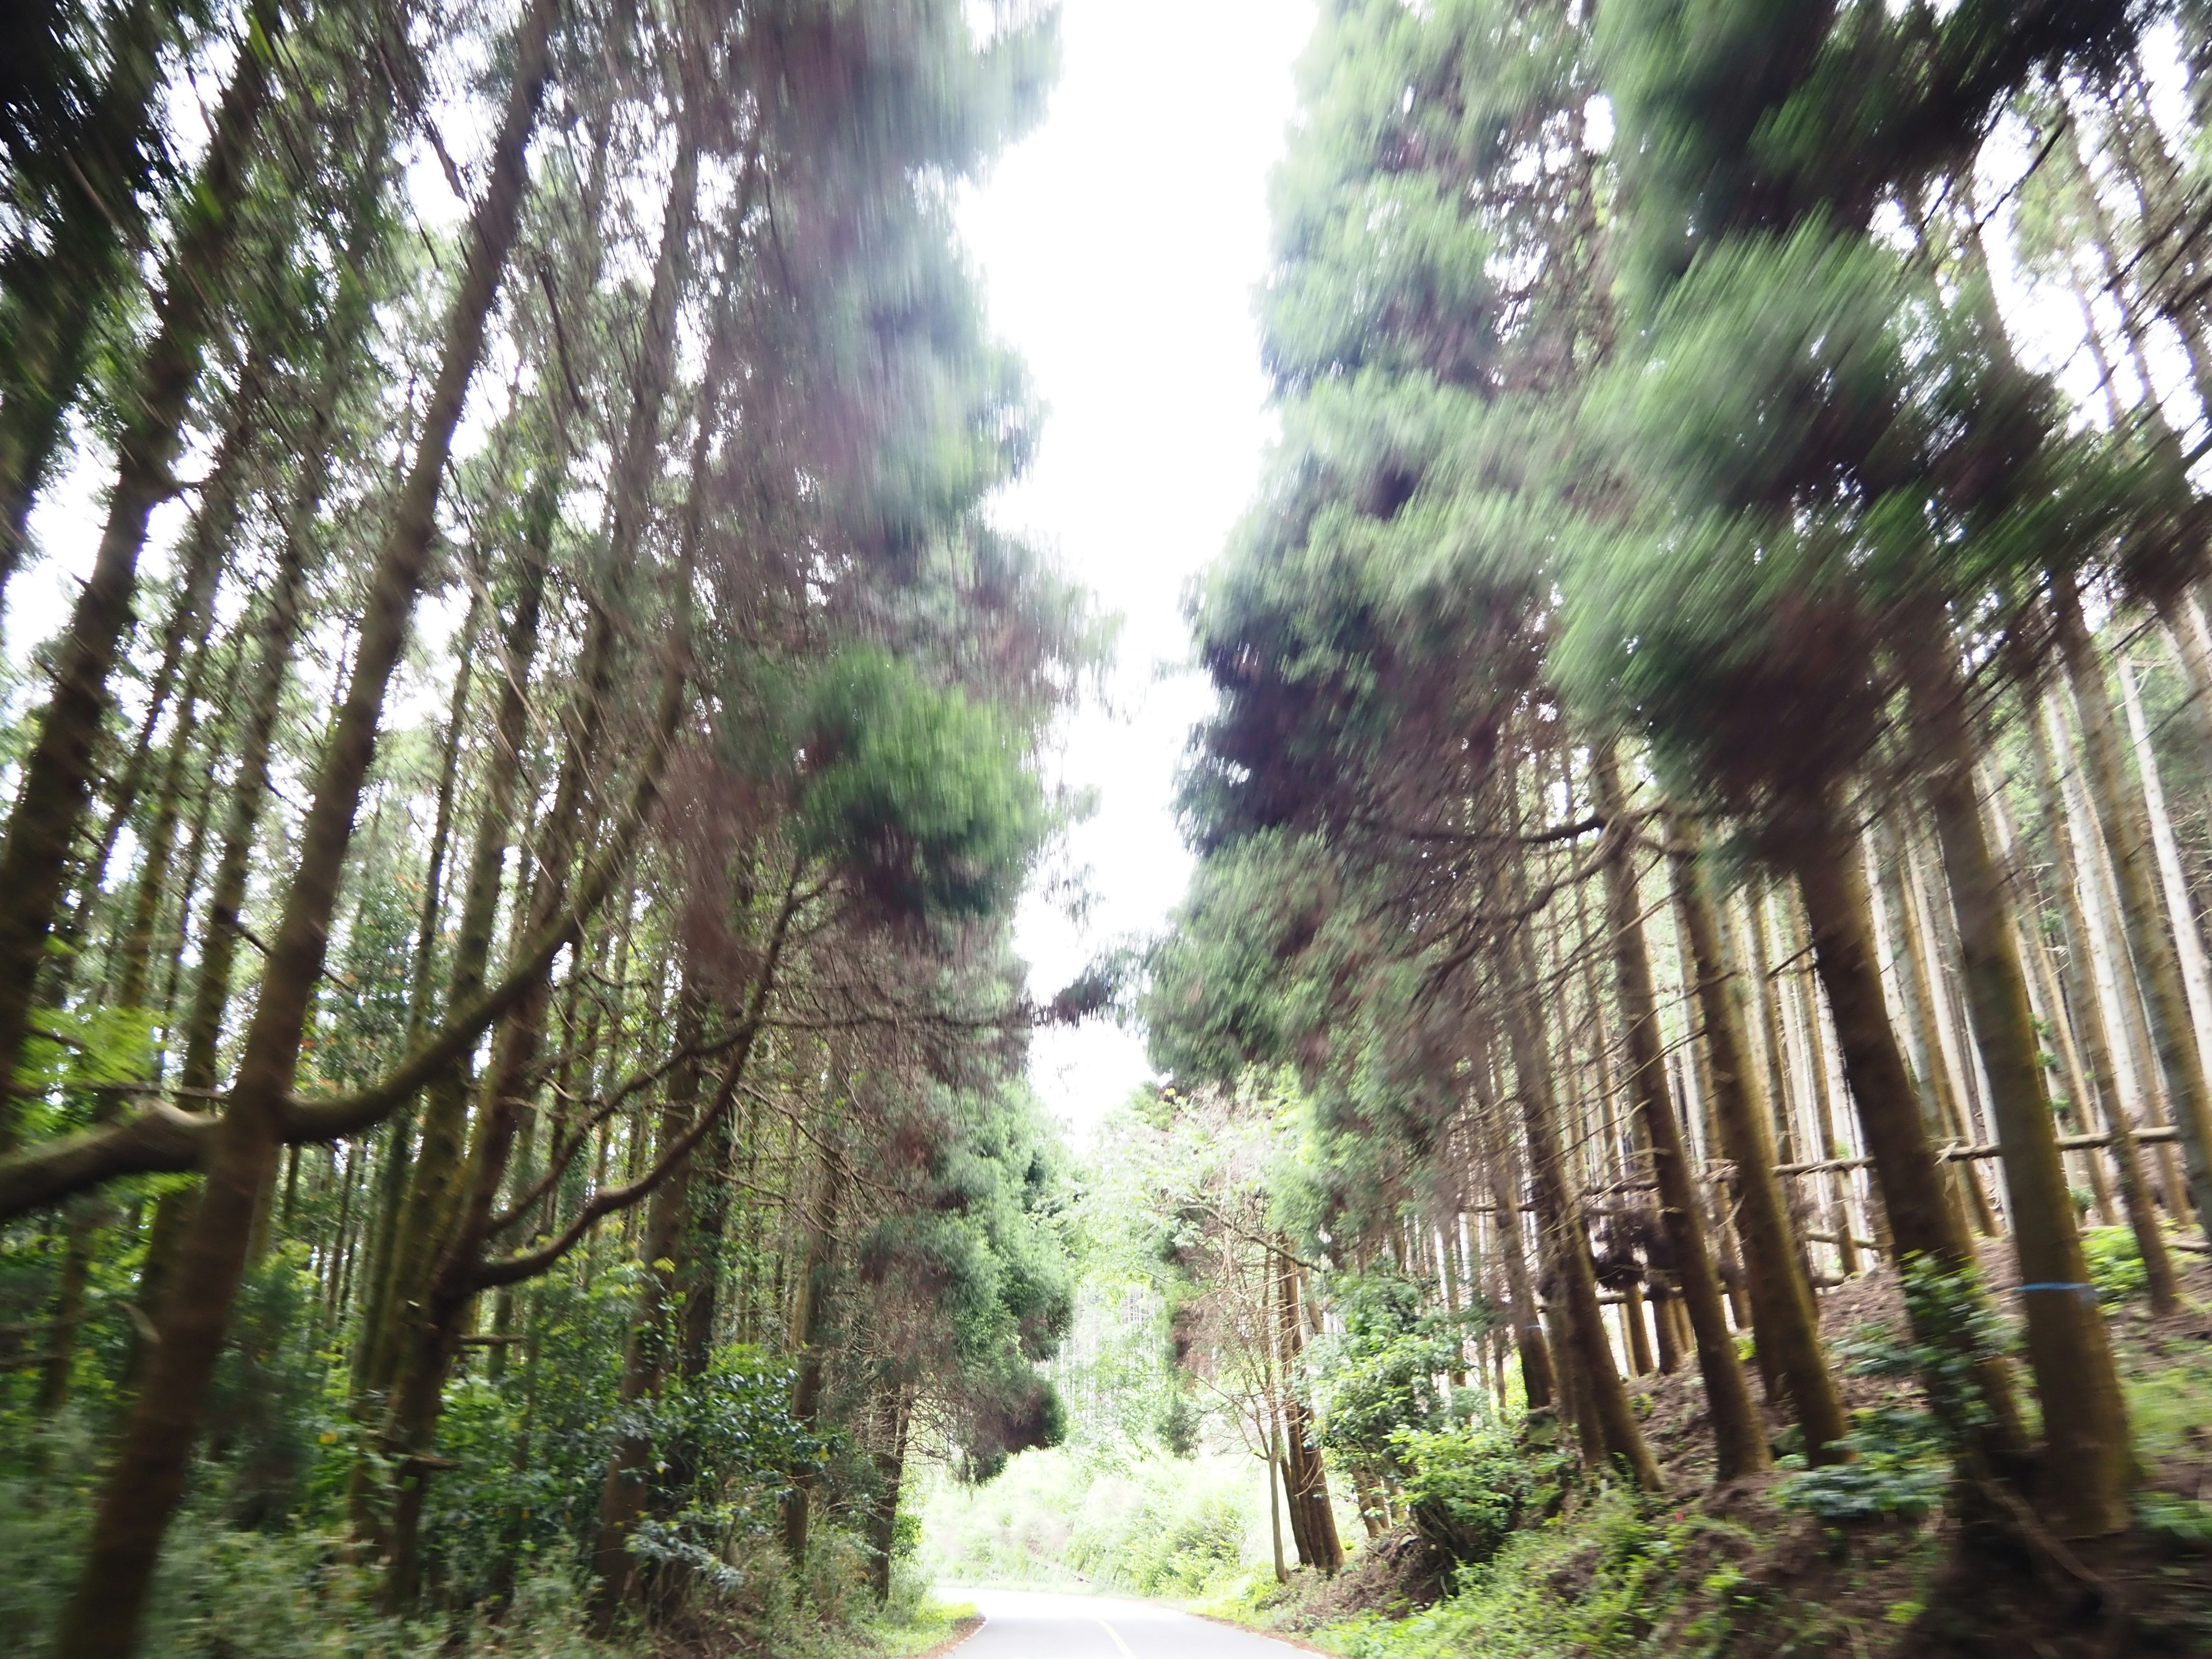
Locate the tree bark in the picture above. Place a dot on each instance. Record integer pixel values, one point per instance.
(2125, 825)
(56, 295)
(58, 776)
(2127, 1157)
(2087, 1465)
(1739, 1438)
(1815, 847)
(147, 1479)
(653, 1342)
(1493, 1144)
(1785, 1319)
(1319, 1545)
(1606, 1402)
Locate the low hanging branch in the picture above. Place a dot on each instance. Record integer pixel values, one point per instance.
(162, 1139)
(610, 1201)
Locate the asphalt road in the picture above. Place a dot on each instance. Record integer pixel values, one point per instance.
(1032, 1625)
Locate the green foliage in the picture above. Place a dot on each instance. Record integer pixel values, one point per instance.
(922, 792)
(1899, 1466)
(2183, 1521)
(1149, 1525)
(1384, 1378)
(1606, 1580)
(1904, 1453)
(267, 1410)
(2116, 1265)
(1469, 1489)
(1163, 1546)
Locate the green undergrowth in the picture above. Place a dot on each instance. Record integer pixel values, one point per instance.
(225, 1591)
(1612, 1576)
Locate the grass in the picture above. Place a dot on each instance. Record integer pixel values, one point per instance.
(923, 1627)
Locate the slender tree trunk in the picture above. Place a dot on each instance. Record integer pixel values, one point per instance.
(430, 1350)
(1606, 1400)
(890, 1459)
(2088, 1465)
(2127, 836)
(191, 624)
(147, 1477)
(426, 1212)
(1785, 1319)
(57, 775)
(1309, 1482)
(2071, 1095)
(1493, 1144)
(2127, 1157)
(1925, 941)
(1821, 856)
(2188, 941)
(392, 1176)
(653, 1345)
(809, 1302)
(1275, 1501)
(1927, 1058)
(2115, 975)
(1739, 1438)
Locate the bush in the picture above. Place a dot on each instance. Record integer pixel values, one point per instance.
(2116, 1265)
(1469, 1489)
(1899, 1466)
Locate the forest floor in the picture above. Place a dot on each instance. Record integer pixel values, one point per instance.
(1738, 1571)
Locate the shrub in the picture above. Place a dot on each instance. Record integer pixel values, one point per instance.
(2116, 1265)
(1899, 1466)
(1468, 1489)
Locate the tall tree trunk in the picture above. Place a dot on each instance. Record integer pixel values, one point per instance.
(1308, 1481)
(57, 775)
(278, 633)
(1739, 1438)
(1785, 1320)
(652, 1345)
(1606, 1400)
(1821, 854)
(895, 1413)
(399, 1155)
(147, 1477)
(429, 1347)
(2087, 1466)
(190, 625)
(2115, 974)
(2180, 909)
(2125, 827)
(2127, 1157)
(810, 1300)
(1926, 939)
(1494, 1143)
(425, 1211)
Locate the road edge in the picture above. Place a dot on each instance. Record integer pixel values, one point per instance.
(962, 1630)
(1284, 1637)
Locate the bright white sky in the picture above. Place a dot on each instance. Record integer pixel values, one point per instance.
(1120, 246)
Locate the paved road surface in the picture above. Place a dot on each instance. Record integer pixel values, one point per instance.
(1031, 1625)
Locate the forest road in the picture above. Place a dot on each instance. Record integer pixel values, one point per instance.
(1033, 1625)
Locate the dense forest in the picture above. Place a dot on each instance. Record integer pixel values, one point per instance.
(515, 1054)
(1705, 823)
(1690, 1037)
